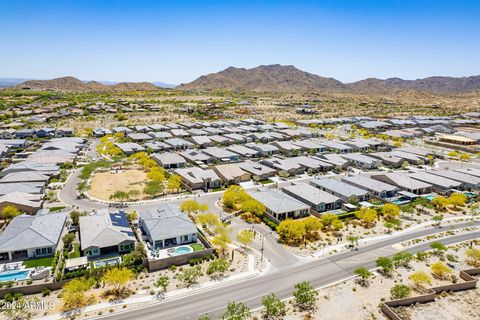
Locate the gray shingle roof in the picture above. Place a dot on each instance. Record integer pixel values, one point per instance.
(277, 201)
(166, 221)
(27, 232)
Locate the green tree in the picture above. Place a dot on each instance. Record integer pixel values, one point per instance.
(68, 239)
(364, 274)
(390, 211)
(153, 188)
(192, 206)
(305, 296)
(162, 283)
(253, 206)
(420, 279)
(400, 291)
(9, 212)
(291, 231)
(385, 264)
(222, 237)
(440, 270)
(218, 267)
(440, 202)
(312, 226)
(473, 257)
(438, 247)
(245, 237)
(119, 195)
(75, 216)
(117, 278)
(234, 196)
(368, 216)
(273, 307)
(457, 200)
(174, 183)
(189, 276)
(402, 259)
(236, 311)
(210, 220)
(75, 294)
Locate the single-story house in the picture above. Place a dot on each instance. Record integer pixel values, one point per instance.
(258, 171)
(362, 161)
(344, 191)
(439, 183)
(469, 181)
(130, 147)
(243, 151)
(375, 187)
(317, 199)
(285, 167)
(196, 157)
(166, 226)
(404, 182)
(169, 160)
(279, 205)
(28, 236)
(196, 178)
(25, 202)
(231, 173)
(221, 154)
(263, 148)
(105, 233)
(179, 143)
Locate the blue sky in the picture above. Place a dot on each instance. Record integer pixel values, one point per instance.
(177, 41)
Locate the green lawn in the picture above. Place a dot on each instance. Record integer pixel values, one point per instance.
(197, 247)
(42, 262)
(266, 181)
(76, 251)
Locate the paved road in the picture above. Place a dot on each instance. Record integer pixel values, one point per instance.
(319, 273)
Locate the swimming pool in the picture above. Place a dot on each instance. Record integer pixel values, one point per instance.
(469, 194)
(14, 275)
(108, 262)
(429, 197)
(182, 250)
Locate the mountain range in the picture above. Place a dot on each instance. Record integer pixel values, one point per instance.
(278, 78)
(265, 78)
(74, 84)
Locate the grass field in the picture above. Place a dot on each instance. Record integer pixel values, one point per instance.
(42, 262)
(104, 184)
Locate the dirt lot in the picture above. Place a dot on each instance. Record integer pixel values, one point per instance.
(104, 184)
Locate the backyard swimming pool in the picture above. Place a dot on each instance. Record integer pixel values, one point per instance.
(182, 250)
(14, 275)
(108, 262)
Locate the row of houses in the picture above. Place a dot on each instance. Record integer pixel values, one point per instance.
(102, 233)
(328, 194)
(46, 132)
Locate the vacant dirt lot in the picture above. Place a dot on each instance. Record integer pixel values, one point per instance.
(104, 184)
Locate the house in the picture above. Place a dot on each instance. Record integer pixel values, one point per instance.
(469, 181)
(375, 187)
(100, 132)
(31, 188)
(457, 139)
(388, 159)
(64, 132)
(157, 146)
(139, 136)
(220, 140)
(197, 178)
(25, 177)
(416, 151)
(231, 173)
(129, 148)
(45, 132)
(404, 182)
(180, 133)
(105, 233)
(31, 166)
(263, 148)
(25, 202)
(362, 161)
(160, 135)
(287, 147)
(24, 133)
(243, 151)
(336, 160)
(238, 138)
(409, 157)
(202, 141)
(257, 171)
(333, 145)
(166, 226)
(312, 164)
(179, 143)
(344, 191)
(309, 146)
(28, 237)
(317, 199)
(470, 171)
(439, 183)
(285, 167)
(280, 206)
(123, 130)
(221, 154)
(196, 157)
(169, 160)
